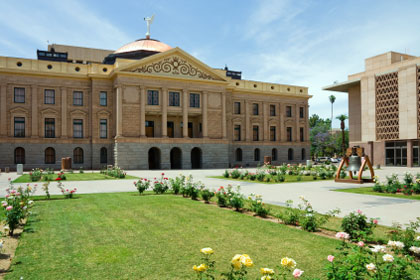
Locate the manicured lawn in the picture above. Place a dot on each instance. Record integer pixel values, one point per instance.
(288, 179)
(75, 177)
(369, 191)
(127, 236)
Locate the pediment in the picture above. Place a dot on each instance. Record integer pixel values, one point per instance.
(78, 112)
(19, 110)
(174, 63)
(49, 111)
(103, 112)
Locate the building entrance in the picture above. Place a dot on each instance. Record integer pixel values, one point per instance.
(396, 153)
(176, 158)
(154, 158)
(196, 158)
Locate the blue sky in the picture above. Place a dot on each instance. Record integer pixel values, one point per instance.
(308, 43)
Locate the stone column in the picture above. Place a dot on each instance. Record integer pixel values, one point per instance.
(306, 123)
(409, 153)
(224, 115)
(185, 113)
(247, 121)
(164, 112)
(282, 131)
(265, 118)
(35, 121)
(3, 118)
(119, 111)
(204, 114)
(64, 120)
(297, 117)
(142, 112)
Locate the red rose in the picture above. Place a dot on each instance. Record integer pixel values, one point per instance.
(58, 179)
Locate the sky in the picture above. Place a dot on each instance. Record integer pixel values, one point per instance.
(307, 43)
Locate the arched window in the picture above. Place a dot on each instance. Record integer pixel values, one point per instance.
(104, 155)
(238, 154)
(290, 154)
(49, 155)
(303, 154)
(274, 154)
(257, 155)
(78, 155)
(19, 155)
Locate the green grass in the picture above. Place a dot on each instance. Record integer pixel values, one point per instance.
(127, 236)
(288, 179)
(74, 177)
(369, 191)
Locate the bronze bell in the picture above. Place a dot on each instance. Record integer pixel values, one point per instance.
(354, 161)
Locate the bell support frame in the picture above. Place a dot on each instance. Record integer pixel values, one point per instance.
(358, 179)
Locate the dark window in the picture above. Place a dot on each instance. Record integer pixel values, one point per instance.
(194, 100)
(256, 154)
(103, 128)
(237, 133)
(49, 128)
(19, 95)
(78, 128)
(104, 155)
(103, 98)
(289, 134)
(255, 133)
(237, 108)
(77, 98)
(274, 154)
(49, 96)
(150, 128)
(255, 109)
(301, 112)
(78, 155)
(302, 134)
(190, 129)
(238, 154)
(290, 154)
(19, 127)
(152, 97)
(303, 154)
(19, 155)
(173, 98)
(289, 111)
(170, 130)
(272, 133)
(49, 155)
(272, 110)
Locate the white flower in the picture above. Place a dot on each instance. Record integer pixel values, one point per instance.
(415, 250)
(378, 248)
(371, 267)
(396, 244)
(30, 202)
(388, 258)
(418, 238)
(1, 243)
(342, 235)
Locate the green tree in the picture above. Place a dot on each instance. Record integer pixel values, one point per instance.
(343, 118)
(321, 140)
(332, 100)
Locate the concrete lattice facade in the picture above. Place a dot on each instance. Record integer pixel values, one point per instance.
(115, 113)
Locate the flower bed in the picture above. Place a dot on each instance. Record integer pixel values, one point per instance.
(409, 186)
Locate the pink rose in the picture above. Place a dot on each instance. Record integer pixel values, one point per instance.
(361, 244)
(297, 273)
(7, 195)
(359, 211)
(10, 207)
(375, 221)
(330, 258)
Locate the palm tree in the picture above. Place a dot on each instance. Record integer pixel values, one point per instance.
(342, 118)
(332, 100)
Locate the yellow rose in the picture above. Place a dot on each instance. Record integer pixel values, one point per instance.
(266, 277)
(201, 268)
(246, 260)
(266, 271)
(207, 251)
(236, 262)
(288, 262)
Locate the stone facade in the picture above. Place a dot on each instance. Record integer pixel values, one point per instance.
(163, 101)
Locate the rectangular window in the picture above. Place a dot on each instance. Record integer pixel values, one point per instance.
(103, 128)
(77, 98)
(237, 108)
(237, 133)
(152, 97)
(194, 100)
(170, 129)
(255, 109)
(173, 98)
(49, 128)
(272, 133)
(19, 127)
(301, 112)
(289, 111)
(302, 133)
(78, 128)
(190, 129)
(49, 96)
(289, 134)
(150, 128)
(19, 95)
(103, 98)
(272, 110)
(255, 134)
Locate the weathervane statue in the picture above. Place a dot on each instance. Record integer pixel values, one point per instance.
(149, 21)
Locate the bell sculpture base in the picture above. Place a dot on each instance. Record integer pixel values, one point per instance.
(357, 154)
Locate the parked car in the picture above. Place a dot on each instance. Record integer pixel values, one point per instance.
(334, 160)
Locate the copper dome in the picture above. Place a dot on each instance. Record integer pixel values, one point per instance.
(149, 45)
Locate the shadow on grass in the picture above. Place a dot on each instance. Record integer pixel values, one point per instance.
(44, 198)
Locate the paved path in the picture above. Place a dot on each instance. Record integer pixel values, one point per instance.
(319, 193)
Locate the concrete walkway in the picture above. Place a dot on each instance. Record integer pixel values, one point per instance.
(319, 193)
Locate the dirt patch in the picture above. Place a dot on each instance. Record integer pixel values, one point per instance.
(9, 248)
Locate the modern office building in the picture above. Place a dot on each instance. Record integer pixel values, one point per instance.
(384, 108)
(145, 105)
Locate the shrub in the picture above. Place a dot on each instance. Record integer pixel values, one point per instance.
(407, 190)
(68, 193)
(46, 189)
(252, 176)
(35, 175)
(260, 176)
(236, 199)
(257, 205)
(409, 236)
(222, 198)
(342, 174)
(61, 176)
(116, 172)
(290, 215)
(206, 195)
(408, 178)
(357, 225)
(177, 183)
(310, 220)
(142, 185)
(81, 171)
(281, 177)
(160, 186)
(235, 174)
(226, 174)
(299, 178)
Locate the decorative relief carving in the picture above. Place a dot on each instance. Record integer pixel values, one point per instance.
(174, 65)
